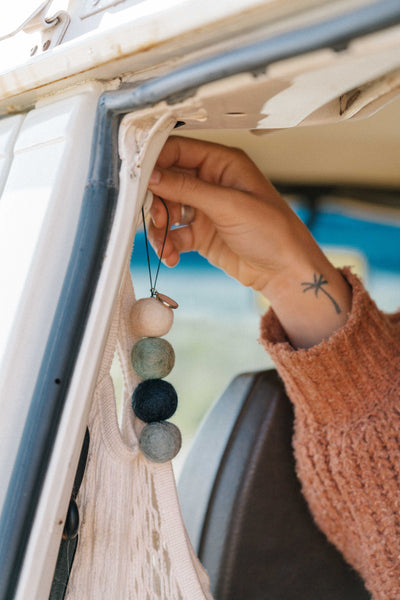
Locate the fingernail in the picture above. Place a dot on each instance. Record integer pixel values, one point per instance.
(155, 177)
(154, 215)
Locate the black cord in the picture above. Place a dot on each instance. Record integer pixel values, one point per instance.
(153, 287)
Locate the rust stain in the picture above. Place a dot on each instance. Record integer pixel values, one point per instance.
(36, 90)
(346, 100)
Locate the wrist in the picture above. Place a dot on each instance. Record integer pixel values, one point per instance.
(312, 300)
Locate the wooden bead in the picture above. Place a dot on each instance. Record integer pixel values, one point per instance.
(160, 442)
(154, 400)
(151, 318)
(152, 358)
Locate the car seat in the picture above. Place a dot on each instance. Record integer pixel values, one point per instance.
(243, 507)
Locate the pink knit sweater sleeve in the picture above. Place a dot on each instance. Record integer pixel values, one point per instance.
(346, 394)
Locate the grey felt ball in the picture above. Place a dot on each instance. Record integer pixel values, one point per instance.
(152, 358)
(160, 442)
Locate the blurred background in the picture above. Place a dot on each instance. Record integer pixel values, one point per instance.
(343, 180)
(216, 327)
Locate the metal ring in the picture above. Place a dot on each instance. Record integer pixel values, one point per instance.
(166, 300)
(188, 215)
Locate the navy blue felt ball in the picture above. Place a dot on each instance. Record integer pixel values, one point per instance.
(154, 400)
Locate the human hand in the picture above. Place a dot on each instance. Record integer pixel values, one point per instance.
(243, 226)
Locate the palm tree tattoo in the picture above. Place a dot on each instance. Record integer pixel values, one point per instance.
(316, 285)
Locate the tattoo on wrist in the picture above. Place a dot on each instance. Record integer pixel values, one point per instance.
(316, 285)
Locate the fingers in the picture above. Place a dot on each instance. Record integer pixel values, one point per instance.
(180, 187)
(186, 153)
(178, 240)
(213, 163)
(195, 236)
(230, 195)
(159, 214)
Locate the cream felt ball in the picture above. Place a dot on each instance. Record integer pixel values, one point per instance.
(152, 358)
(151, 318)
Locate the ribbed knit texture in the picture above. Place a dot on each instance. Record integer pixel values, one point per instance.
(132, 543)
(346, 394)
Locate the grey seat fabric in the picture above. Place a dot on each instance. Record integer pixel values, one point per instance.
(243, 507)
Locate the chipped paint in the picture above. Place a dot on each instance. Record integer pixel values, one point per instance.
(138, 34)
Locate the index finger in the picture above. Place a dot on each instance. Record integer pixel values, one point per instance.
(178, 186)
(214, 163)
(187, 153)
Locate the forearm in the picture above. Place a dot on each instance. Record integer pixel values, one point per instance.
(243, 226)
(346, 396)
(311, 300)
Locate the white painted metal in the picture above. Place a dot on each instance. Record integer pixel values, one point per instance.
(108, 36)
(8, 132)
(142, 136)
(34, 28)
(39, 211)
(40, 21)
(135, 39)
(93, 7)
(140, 139)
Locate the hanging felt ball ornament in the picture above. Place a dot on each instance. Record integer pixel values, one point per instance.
(151, 318)
(152, 358)
(160, 442)
(154, 400)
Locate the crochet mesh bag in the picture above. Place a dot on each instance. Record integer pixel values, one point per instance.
(132, 540)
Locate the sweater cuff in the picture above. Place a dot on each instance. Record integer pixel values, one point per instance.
(348, 375)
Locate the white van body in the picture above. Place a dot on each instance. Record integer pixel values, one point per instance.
(57, 60)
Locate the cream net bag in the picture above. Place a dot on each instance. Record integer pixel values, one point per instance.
(132, 541)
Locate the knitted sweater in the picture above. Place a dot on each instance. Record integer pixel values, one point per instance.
(346, 394)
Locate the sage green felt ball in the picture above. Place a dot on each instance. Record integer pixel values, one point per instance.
(160, 442)
(150, 318)
(152, 358)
